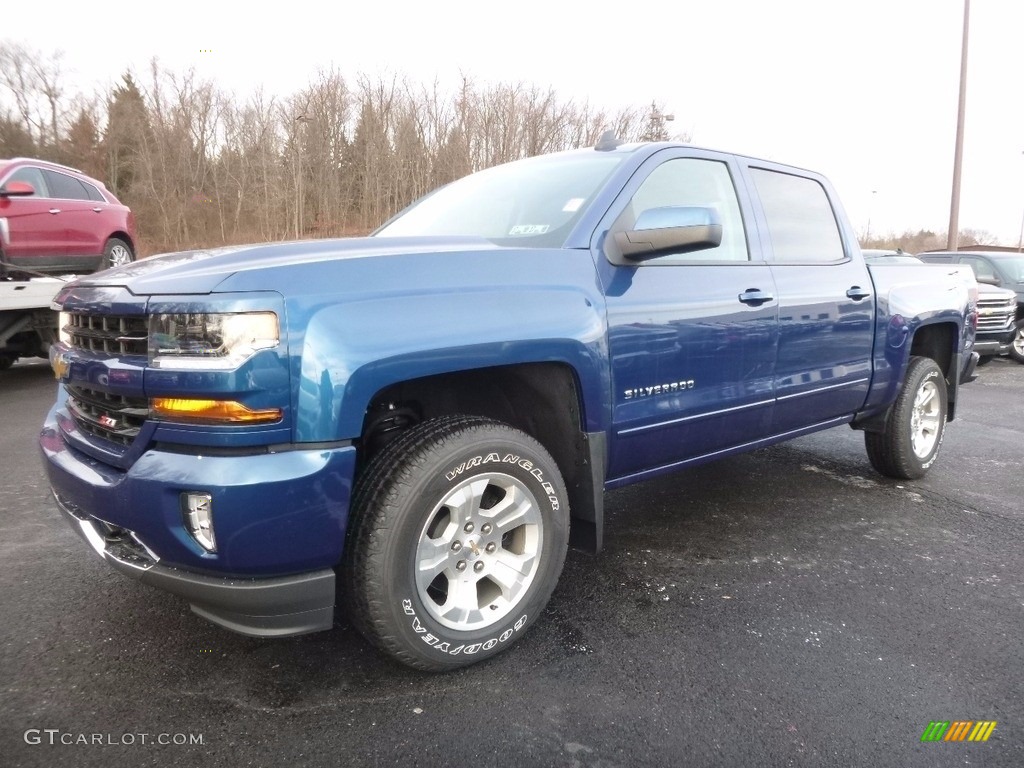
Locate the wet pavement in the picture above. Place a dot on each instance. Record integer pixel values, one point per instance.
(786, 607)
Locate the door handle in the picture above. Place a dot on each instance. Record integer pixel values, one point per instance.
(55, 210)
(97, 209)
(755, 297)
(857, 293)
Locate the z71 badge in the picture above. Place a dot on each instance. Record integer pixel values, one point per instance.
(660, 389)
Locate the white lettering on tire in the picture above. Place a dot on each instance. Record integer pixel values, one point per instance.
(509, 458)
(444, 646)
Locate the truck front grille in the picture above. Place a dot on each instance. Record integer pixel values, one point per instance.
(109, 334)
(116, 418)
(996, 314)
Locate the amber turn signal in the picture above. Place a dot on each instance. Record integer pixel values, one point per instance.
(223, 411)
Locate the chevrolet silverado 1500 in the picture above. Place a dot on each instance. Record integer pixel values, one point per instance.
(415, 425)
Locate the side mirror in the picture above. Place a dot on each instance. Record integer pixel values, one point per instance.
(17, 189)
(989, 280)
(672, 228)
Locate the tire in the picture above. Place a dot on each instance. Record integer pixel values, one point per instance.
(1017, 345)
(914, 428)
(117, 253)
(6, 361)
(458, 535)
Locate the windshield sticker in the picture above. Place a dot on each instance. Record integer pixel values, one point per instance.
(529, 229)
(573, 205)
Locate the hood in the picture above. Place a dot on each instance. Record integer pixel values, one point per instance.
(194, 272)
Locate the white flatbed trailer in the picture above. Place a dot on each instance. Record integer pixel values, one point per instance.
(27, 324)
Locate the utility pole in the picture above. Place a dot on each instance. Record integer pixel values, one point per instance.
(871, 208)
(1020, 238)
(953, 235)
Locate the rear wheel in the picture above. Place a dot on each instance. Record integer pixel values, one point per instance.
(117, 253)
(459, 533)
(6, 361)
(913, 431)
(1017, 345)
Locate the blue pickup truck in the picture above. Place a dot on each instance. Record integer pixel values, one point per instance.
(414, 426)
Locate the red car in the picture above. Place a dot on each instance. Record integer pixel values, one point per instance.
(56, 219)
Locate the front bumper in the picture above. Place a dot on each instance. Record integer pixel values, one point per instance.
(274, 607)
(994, 343)
(279, 518)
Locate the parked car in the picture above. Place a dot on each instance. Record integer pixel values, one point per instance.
(1000, 268)
(56, 219)
(997, 308)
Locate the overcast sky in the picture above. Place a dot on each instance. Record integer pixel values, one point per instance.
(864, 92)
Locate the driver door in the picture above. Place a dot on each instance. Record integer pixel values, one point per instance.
(693, 336)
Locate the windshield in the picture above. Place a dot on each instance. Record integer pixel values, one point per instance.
(532, 203)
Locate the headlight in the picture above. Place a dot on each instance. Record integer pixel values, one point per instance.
(63, 322)
(210, 341)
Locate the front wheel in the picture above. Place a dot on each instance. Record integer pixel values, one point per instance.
(1017, 345)
(459, 533)
(913, 432)
(117, 253)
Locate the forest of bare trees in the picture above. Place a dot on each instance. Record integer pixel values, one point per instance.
(920, 240)
(200, 167)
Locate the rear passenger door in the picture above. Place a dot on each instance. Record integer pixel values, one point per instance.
(80, 216)
(691, 336)
(826, 300)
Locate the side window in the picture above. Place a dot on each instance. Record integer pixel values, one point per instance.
(33, 177)
(693, 182)
(982, 269)
(93, 193)
(801, 222)
(64, 187)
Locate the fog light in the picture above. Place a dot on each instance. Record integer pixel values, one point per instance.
(198, 510)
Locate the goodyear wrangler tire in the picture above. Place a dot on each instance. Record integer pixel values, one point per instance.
(915, 426)
(459, 534)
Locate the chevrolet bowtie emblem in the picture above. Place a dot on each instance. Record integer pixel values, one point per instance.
(60, 364)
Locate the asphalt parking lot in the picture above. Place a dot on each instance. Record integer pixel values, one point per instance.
(787, 607)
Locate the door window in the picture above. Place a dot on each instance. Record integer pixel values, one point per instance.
(31, 176)
(982, 269)
(64, 187)
(801, 222)
(693, 182)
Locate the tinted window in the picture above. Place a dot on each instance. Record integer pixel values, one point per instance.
(33, 177)
(801, 222)
(694, 182)
(93, 193)
(983, 270)
(64, 187)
